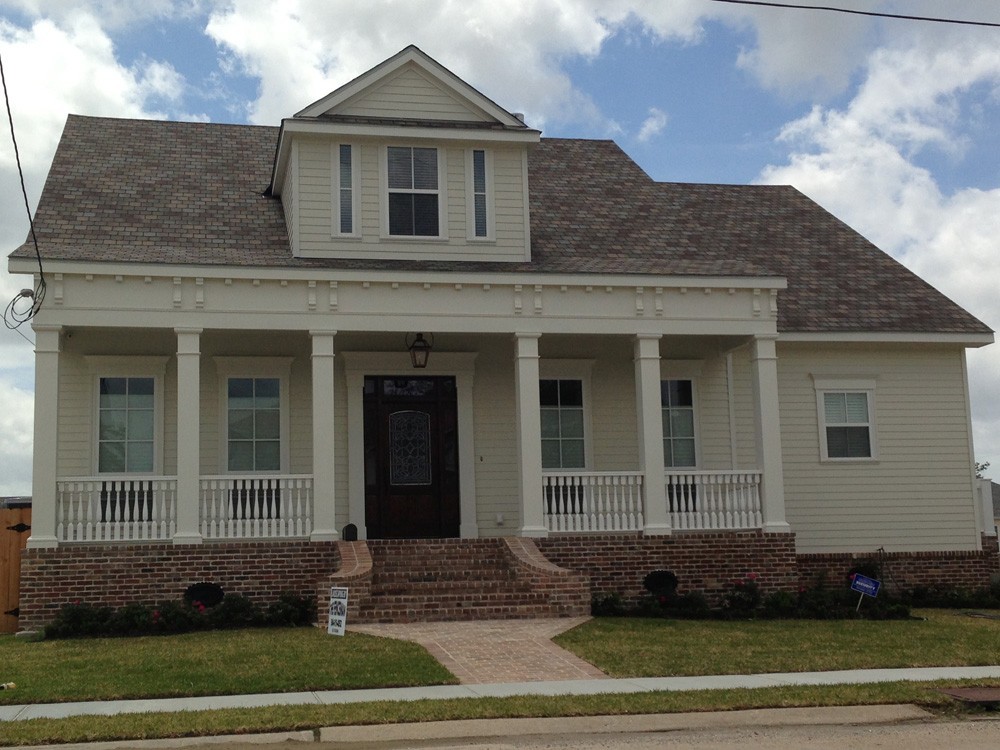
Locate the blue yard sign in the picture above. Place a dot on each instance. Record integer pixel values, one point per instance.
(865, 586)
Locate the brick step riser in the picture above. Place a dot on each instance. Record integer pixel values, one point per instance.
(441, 561)
(434, 588)
(422, 575)
(389, 598)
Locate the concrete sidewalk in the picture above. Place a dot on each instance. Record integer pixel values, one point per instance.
(504, 689)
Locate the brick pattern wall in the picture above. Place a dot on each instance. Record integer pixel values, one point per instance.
(703, 562)
(114, 575)
(904, 570)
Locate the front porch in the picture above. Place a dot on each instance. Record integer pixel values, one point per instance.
(613, 455)
(102, 509)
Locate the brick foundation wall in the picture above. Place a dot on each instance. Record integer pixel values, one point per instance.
(905, 570)
(703, 562)
(114, 575)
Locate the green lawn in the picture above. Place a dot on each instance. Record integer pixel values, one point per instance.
(210, 663)
(255, 661)
(634, 647)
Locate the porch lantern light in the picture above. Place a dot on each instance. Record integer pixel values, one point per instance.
(420, 349)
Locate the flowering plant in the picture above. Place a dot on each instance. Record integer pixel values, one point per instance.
(742, 598)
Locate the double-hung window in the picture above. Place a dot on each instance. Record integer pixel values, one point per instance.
(413, 193)
(254, 422)
(126, 425)
(677, 403)
(846, 419)
(255, 427)
(561, 402)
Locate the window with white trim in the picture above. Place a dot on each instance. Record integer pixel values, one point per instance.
(413, 193)
(846, 410)
(561, 402)
(677, 404)
(346, 174)
(254, 424)
(254, 414)
(126, 429)
(480, 195)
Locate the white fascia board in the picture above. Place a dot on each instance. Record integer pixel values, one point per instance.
(290, 127)
(872, 337)
(160, 270)
(369, 130)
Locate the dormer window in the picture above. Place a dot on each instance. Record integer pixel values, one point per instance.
(346, 179)
(414, 199)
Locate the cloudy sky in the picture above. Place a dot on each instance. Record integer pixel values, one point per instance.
(891, 125)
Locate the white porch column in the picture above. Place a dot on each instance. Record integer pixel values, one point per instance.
(650, 410)
(44, 456)
(324, 434)
(188, 436)
(529, 434)
(764, 361)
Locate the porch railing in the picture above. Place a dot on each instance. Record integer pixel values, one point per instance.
(263, 507)
(714, 499)
(115, 508)
(593, 500)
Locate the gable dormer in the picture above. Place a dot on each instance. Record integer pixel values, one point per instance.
(406, 161)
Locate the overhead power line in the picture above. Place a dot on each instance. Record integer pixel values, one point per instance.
(872, 13)
(27, 302)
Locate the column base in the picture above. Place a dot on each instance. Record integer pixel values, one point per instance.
(42, 542)
(468, 531)
(657, 529)
(190, 538)
(534, 531)
(324, 535)
(778, 527)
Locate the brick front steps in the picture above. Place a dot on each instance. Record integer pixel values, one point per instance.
(417, 580)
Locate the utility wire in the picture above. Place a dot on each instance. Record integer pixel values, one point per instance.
(875, 14)
(14, 315)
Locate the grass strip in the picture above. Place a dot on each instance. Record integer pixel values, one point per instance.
(289, 718)
(266, 660)
(637, 647)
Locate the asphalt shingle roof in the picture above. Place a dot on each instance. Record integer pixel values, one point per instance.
(144, 191)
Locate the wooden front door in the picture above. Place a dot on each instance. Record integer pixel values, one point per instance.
(15, 523)
(411, 457)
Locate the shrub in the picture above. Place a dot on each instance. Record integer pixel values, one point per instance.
(79, 620)
(291, 610)
(607, 605)
(742, 599)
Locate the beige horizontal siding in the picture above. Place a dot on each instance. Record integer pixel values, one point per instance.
(918, 494)
(310, 206)
(409, 95)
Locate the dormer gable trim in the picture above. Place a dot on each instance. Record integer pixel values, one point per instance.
(412, 55)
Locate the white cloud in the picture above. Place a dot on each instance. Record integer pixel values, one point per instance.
(53, 67)
(16, 419)
(860, 163)
(513, 52)
(652, 125)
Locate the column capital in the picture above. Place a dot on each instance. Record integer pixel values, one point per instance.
(188, 329)
(48, 338)
(764, 346)
(322, 343)
(647, 346)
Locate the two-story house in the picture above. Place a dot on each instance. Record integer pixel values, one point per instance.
(404, 315)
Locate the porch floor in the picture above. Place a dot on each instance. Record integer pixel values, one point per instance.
(493, 651)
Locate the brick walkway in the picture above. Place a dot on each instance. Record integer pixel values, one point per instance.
(489, 651)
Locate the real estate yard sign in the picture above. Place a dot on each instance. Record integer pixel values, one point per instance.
(337, 619)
